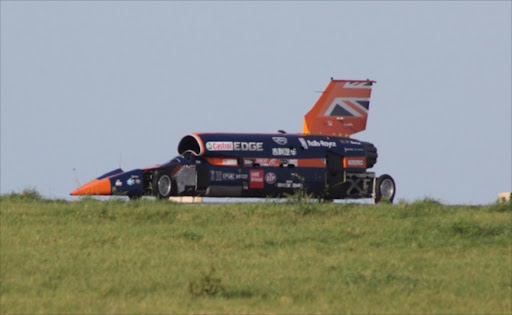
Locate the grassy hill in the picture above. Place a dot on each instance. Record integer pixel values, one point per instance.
(93, 257)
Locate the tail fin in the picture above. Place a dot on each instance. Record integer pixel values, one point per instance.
(341, 110)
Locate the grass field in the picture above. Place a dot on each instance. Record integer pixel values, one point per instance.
(117, 257)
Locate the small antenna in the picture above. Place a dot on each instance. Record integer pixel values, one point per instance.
(120, 159)
(75, 178)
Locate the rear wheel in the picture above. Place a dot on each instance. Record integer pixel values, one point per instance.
(163, 185)
(385, 189)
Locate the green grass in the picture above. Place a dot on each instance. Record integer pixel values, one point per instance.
(116, 257)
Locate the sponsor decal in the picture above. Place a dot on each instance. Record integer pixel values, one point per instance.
(354, 162)
(248, 146)
(284, 151)
(228, 176)
(256, 179)
(321, 143)
(303, 143)
(265, 162)
(219, 176)
(219, 146)
(280, 140)
(242, 176)
(234, 146)
(229, 162)
(353, 149)
(289, 162)
(270, 178)
(118, 183)
(289, 184)
(134, 180)
(317, 143)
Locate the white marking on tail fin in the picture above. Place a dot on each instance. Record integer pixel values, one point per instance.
(358, 85)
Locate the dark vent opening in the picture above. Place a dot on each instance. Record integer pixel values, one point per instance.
(189, 144)
(371, 154)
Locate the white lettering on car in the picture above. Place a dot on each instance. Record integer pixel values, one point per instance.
(234, 146)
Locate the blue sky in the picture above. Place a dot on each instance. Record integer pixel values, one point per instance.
(90, 86)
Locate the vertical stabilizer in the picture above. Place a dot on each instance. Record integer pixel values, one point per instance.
(342, 110)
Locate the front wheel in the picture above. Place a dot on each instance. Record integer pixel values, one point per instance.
(384, 189)
(163, 185)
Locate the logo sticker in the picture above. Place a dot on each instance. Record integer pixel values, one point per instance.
(280, 140)
(270, 178)
(316, 143)
(256, 179)
(303, 143)
(219, 146)
(289, 184)
(234, 146)
(321, 143)
(284, 151)
(229, 162)
(262, 162)
(354, 162)
(268, 162)
(248, 146)
(228, 176)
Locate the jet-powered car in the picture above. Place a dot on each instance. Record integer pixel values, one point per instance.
(322, 161)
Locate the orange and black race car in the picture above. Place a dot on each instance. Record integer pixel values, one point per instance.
(323, 160)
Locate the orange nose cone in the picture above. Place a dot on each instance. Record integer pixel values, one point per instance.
(94, 187)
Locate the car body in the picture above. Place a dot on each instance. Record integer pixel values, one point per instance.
(323, 160)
